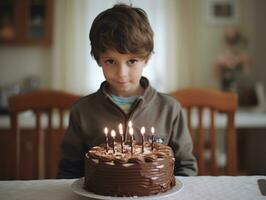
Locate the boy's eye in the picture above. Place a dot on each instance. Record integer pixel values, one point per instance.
(110, 61)
(132, 61)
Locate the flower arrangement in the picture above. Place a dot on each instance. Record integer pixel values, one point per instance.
(234, 66)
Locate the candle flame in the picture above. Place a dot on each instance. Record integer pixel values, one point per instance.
(152, 130)
(105, 130)
(130, 124)
(142, 130)
(131, 131)
(120, 127)
(113, 133)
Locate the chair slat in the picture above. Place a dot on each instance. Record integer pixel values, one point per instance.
(213, 142)
(231, 145)
(49, 146)
(200, 139)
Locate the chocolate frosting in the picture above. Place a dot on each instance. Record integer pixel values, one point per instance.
(124, 174)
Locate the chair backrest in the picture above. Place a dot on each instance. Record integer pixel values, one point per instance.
(34, 152)
(200, 100)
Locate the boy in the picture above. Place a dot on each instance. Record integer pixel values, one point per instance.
(122, 43)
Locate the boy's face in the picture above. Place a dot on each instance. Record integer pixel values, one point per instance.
(122, 72)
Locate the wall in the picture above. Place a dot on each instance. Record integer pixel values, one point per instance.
(260, 41)
(16, 63)
(201, 40)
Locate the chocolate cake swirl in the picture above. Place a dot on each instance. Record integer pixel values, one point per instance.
(124, 174)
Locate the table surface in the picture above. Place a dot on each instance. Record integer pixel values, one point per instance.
(199, 187)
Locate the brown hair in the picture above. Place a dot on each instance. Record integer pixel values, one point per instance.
(123, 28)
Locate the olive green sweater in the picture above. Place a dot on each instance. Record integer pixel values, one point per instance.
(92, 113)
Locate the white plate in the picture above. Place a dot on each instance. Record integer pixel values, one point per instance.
(77, 187)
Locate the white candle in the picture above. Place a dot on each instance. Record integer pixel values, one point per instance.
(131, 132)
(113, 136)
(152, 139)
(120, 128)
(106, 138)
(130, 124)
(142, 131)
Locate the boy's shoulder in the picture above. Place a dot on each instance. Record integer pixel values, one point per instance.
(167, 98)
(168, 101)
(85, 101)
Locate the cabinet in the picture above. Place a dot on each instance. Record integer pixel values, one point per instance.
(26, 22)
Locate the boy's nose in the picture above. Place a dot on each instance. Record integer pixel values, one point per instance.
(122, 70)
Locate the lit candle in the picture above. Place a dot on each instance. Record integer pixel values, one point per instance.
(120, 128)
(142, 130)
(131, 132)
(106, 138)
(113, 136)
(152, 137)
(130, 124)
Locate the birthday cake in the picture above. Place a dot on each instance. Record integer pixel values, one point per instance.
(147, 169)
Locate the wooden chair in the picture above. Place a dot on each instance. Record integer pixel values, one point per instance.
(34, 153)
(200, 99)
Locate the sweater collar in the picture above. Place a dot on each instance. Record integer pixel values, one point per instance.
(149, 92)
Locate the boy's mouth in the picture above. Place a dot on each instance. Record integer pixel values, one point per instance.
(121, 82)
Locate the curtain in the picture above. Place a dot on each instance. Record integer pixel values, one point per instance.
(69, 57)
(186, 45)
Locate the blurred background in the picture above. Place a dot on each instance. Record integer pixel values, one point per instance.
(44, 43)
(206, 43)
